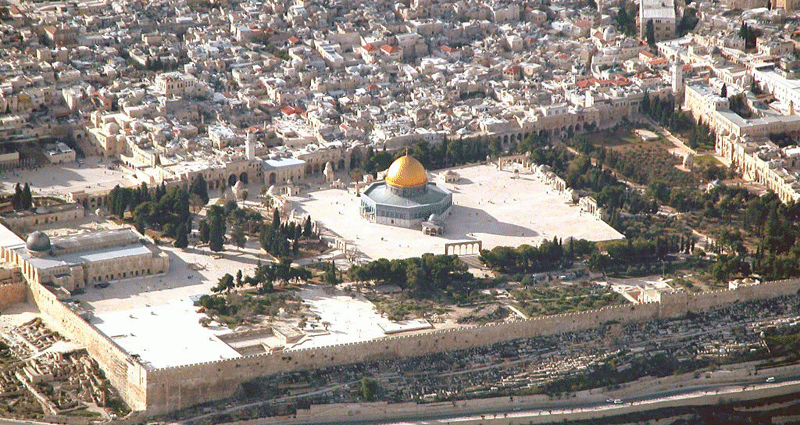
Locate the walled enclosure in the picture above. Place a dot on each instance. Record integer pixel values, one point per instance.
(159, 391)
(125, 373)
(174, 388)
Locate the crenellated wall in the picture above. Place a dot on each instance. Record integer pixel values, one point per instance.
(159, 391)
(177, 387)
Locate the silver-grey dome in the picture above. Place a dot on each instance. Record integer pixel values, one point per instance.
(38, 242)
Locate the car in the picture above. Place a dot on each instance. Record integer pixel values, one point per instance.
(101, 285)
(618, 401)
(771, 379)
(610, 401)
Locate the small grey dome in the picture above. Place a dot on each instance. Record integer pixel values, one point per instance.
(38, 242)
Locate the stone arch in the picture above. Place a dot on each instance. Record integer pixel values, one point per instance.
(577, 127)
(232, 180)
(316, 168)
(463, 248)
(341, 165)
(272, 178)
(244, 178)
(309, 170)
(505, 139)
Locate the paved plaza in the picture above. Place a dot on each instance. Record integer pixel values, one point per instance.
(349, 319)
(94, 175)
(490, 205)
(153, 316)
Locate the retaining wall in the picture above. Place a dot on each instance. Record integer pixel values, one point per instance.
(163, 390)
(124, 372)
(12, 293)
(178, 387)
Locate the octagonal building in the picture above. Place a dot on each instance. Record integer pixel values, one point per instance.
(405, 198)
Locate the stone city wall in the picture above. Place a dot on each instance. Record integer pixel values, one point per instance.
(124, 372)
(163, 390)
(12, 293)
(178, 387)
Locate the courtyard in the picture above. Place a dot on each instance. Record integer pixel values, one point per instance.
(154, 317)
(496, 207)
(94, 174)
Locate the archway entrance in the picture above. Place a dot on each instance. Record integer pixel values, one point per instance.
(243, 177)
(232, 180)
(463, 248)
(272, 178)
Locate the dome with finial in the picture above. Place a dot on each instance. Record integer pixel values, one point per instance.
(406, 172)
(38, 242)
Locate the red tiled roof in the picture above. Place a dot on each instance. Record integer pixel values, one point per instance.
(390, 49)
(622, 81)
(448, 49)
(368, 47)
(289, 110)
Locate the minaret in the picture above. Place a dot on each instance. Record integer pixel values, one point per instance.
(676, 78)
(249, 146)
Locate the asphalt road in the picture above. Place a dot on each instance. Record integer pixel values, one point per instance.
(559, 407)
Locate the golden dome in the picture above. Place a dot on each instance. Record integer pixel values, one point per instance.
(406, 172)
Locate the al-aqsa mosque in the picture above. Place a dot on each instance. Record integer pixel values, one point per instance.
(406, 198)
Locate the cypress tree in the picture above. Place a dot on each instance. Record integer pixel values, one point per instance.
(307, 227)
(650, 33)
(27, 197)
(144, 193)
(200, 188)
(276, 219)
(217, 233)
(181, 239)
(205, 231)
